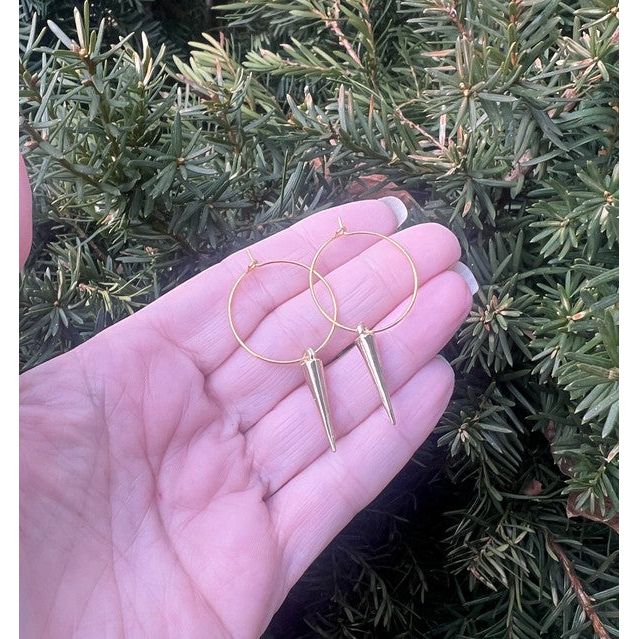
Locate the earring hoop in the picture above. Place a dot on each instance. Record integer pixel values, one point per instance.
(365, 339)
(343, 232)
(254, 264)
(312, 366)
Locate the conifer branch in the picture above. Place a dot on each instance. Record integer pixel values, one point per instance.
(585, 601)
(331, 21)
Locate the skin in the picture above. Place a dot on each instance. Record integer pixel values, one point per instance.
(174, 486)
(25, 198)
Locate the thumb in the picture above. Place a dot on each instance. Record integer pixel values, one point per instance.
(25, 214)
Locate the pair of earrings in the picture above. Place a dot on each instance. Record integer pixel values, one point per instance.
(365, 340)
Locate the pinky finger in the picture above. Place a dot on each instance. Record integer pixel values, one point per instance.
(315, 505)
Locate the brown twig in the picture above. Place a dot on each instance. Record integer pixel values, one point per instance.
(451, 10)
(332, 24)
(420, 129)
(584, 599)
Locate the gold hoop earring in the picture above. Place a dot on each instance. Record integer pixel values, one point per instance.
(365, 339)
(313, 367)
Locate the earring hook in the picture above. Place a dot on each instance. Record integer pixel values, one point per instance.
(252, 261)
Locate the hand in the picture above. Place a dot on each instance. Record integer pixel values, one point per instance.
(174, 486)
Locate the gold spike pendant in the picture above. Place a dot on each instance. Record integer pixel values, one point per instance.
(366, 344)
(314, 374)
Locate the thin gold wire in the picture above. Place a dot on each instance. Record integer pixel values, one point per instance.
(253, 264)
(343, 232)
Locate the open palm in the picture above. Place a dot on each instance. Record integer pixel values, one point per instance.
(174, 486)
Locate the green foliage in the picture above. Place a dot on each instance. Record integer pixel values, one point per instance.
(500, 119)
(172, 22)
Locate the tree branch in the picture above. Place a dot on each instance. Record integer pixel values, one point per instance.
(584, 599)
(333, 25)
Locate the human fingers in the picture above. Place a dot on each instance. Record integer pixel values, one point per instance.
(313, 507)
(367, 287)
(290, 437)
(194, 316)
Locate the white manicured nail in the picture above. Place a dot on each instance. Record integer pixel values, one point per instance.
(397, 206)
(461, 269)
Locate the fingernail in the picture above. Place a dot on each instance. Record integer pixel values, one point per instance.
(441, 358)
(461, 269)
(397, 206)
